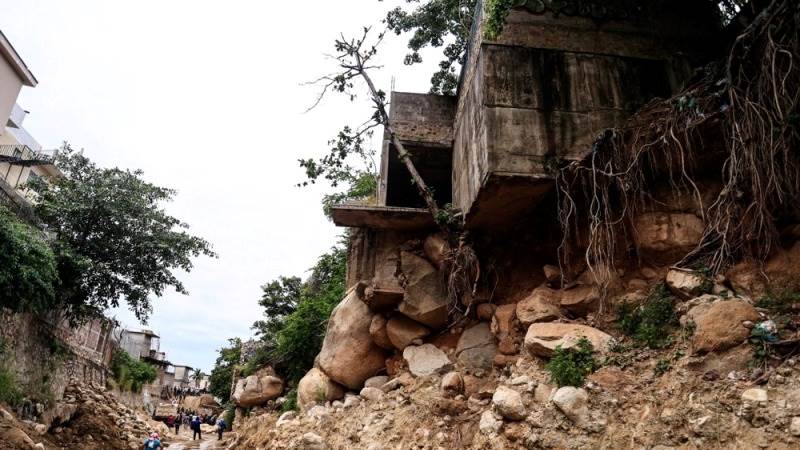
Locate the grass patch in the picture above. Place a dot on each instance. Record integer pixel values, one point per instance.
(570, 367)
(651, 322)
(10, 393)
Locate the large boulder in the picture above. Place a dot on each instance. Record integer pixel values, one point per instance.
(316, 387)
(720, 326)
(403, 331)
(540, 306)
(425, 297)
(754, 280)
(503, 320)
(257, 390)
(348, 355)
(543, 338)
(426, 360)
(476, 347)
(666, 236)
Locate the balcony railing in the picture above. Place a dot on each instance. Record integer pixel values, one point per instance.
(22, 155)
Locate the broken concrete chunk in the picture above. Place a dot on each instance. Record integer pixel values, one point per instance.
(543, 338)
(425, 298)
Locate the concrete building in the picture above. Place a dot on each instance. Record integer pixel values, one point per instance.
(21, 156)
(539, 92)
(183, 377)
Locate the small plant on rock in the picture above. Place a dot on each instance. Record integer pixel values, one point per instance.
(650, 323)
(570, 367)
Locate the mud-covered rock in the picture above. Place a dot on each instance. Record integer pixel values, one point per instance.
(437, 250)
(685, 283)
(348, 355)
(722, 325)
(574, 403)
(666, 236)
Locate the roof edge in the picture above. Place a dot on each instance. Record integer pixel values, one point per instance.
(11, 55)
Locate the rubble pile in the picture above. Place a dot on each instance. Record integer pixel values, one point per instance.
(87, 415)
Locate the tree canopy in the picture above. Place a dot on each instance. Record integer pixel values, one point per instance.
(222, 373)
(113, 239)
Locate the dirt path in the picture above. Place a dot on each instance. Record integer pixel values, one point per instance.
(184, 442)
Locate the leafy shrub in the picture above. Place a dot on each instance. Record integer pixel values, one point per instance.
(570, 367)
(10, 393)
(662, 366)
(131, 374)
(649, 323)
(222, 373)
(28, 274)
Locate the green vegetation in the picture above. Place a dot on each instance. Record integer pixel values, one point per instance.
(570, 367)
(113, 240)
(650, 323)
(28, 273)
(662, 366)
(291, 401)
(436, 23)
(222, 373)
(229, 415)
(10, 393)
(130, 374)
(293, 340)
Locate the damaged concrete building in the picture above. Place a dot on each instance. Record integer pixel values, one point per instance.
(541, 92)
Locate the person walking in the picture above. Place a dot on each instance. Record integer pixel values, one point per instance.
(196, 432)
(178, 421)
(221, 425)
(153, 442)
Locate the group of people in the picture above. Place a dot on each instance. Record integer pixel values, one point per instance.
(194, 421)
(181, 392)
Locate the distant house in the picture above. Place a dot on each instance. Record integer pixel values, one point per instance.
(21, 156)
(183, 376)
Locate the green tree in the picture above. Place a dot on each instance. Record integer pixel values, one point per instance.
(280, 298)
(436, 24)
(131, 374)
(197, 375)
(28, 275)
(114, 239)
(222, 374)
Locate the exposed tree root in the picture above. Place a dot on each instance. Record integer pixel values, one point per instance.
(751, 102)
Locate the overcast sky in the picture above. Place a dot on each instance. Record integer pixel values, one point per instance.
(205, 96)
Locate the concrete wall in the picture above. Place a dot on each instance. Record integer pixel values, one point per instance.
(547, 86)
(34, 352)
(10, 86)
